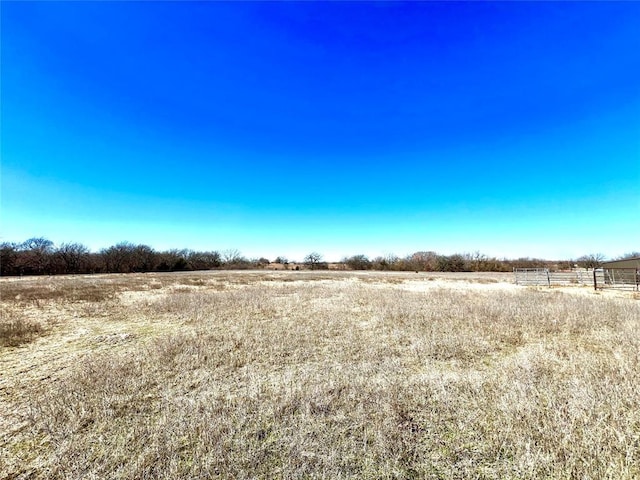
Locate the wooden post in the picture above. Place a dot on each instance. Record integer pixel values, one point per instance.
(548, 279)
(595, 280)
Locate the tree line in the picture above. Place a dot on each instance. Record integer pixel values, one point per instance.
(40, 256)
(471, 262)
(430, 261)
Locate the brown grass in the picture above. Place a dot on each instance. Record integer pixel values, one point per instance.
(317, 376)
(16, 329)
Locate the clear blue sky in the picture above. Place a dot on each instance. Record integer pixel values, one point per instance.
(512, 128)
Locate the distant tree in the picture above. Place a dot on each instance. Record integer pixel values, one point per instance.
(125, 257)
(629, 255)
(172, 260)
(233, 259)
(451, 263)
(8, 256)
(592, 260)
(443, 263)
(145, 259)
(36, 256)
(562, 265)
(180, 265)
(357, 262)
(313, 260)
(95, 263)
(422, 261)
(393, 261)
(73, 256)
(380, 263)
(40, 244)
(212, 259)
(241, 263)
(204, 260)
(231, 256)
(527, 262)
(281, 260)
(476, 261)
(119, 258)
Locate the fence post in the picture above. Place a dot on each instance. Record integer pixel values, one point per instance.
(595, 280)
(548, 279)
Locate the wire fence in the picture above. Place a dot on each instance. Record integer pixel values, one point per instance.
(623, 278)
(600, 278)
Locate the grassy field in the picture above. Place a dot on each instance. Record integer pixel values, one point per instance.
(316, 375)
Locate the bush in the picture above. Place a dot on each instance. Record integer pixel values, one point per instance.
(16, 329)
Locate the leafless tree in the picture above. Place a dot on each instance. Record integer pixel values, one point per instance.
(357, 262)
(73, 257)
(8, 257)
(427, 261)
(593, 260)
(204, 260)
(36, 255)
(629, 255)
(313, 260)
(477, 261)
(119, 258)
(231, 256)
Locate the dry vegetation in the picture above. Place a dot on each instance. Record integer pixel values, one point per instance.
(316, 375)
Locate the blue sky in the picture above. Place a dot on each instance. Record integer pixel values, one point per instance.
(344, 128)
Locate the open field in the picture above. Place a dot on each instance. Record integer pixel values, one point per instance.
(316, 375)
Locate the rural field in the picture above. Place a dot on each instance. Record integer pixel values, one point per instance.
(313, 374)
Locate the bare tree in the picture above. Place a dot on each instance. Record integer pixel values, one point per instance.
(119, 258)
(426, 261)
(173, 259)
(204, 260)
(231, 256)
(144, 259)
(477, 261)
(261, 262)
(313, 260)
(629, 255)
(73, 257)
(357, 262)
(593, 260)
(451, 263)
(36, 255)
(8, 256)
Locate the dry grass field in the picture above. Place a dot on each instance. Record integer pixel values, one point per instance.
(316, 375)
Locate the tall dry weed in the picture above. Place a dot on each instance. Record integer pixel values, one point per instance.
(16, 328)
